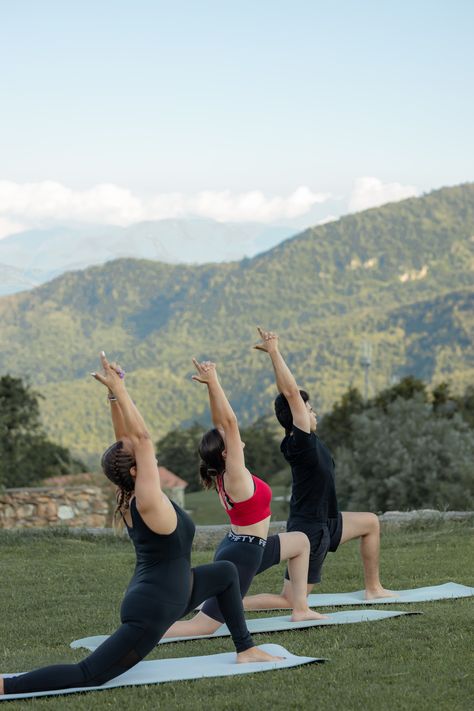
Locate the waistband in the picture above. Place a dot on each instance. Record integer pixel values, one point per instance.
(238, 538)
(308, 518)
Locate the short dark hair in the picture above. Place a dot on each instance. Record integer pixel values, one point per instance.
(283, 410)
(212, 462)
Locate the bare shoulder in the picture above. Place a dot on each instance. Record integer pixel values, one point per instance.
(239, 484)
(159, 515)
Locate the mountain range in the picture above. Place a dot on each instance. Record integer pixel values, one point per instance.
(33, 257)
(399, 277)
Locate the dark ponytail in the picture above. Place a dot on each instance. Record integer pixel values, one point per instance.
(212, 462)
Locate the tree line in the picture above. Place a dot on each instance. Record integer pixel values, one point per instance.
(407, 447)
(26, 454)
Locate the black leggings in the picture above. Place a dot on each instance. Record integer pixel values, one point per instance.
(246, 553)
(135, 639)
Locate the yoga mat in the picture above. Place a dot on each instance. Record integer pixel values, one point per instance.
(428, 594)
(434, 592)
(268, 624)
(158, 671)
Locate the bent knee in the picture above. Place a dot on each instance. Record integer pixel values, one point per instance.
(303, 542)
(205, 624)
(293, 543)
(373, 522)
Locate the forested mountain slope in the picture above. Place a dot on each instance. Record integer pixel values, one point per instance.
(400, 276)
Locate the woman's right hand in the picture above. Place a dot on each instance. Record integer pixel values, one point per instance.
(206, 371)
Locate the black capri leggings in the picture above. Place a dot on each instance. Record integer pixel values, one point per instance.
(136, 638)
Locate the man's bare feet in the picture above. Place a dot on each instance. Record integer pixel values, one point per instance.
(303, 615)
(254, 654)
(375, 593)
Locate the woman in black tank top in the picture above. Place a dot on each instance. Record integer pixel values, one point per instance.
(164, 587)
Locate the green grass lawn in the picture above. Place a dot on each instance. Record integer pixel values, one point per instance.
(54, 589)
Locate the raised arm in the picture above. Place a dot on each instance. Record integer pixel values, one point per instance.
(285, 380)
(237, 475)
(115, 409)
(117, 417)
(152, 503)
(222, 413)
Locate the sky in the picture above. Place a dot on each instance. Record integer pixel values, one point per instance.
(279, 112)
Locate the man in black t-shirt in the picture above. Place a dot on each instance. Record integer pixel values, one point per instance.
(313, 503)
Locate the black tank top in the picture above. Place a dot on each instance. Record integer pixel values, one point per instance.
(151, 547)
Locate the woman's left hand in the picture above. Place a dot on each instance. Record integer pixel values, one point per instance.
(112, 375)
(206, 371)
(269, 341)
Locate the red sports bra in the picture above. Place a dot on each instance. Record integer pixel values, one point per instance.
(250, 511)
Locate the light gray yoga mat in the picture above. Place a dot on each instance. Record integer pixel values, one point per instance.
(428, 594)
(268, 624)
(158, 671)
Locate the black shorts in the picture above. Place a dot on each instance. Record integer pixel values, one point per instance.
(324, 538)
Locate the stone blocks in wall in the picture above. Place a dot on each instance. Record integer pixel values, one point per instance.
(78, 507)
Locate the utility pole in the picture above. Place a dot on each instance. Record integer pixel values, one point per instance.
(366, 362)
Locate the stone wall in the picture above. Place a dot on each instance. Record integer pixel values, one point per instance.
(89, 508)
(77, 507)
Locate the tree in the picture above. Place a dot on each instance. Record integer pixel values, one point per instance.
(466, 405)
(26, 454)
(262, 451)
(335, 428)
(406, 457)
(407, 388)
(444, 402)
(178, 452)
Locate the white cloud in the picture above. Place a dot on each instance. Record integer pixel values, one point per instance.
(371, 192)
(327, 219)
(10, 227)
(31, 205)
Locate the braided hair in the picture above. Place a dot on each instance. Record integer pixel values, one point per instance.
(116, 465)
(212, 462)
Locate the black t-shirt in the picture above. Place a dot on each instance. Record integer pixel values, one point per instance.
(312, 468)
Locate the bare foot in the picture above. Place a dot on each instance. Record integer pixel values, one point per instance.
(2, 690)
(376, 593)
(254, 654)
(302, 615)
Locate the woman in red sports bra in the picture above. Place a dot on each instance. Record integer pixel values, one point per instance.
(246, 498)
